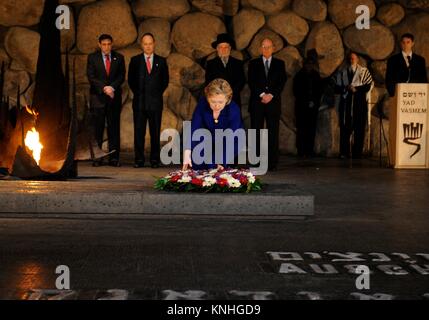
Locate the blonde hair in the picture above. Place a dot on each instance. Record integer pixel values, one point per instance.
(219, 86)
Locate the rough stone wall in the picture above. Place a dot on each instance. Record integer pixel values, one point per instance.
(184, 30)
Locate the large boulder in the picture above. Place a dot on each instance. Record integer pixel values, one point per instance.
(314, 10)
(23, 46)
(110, 16)
(343, 13)
(4, 58)
(269, 6)
(161, 29)
(194, 33)
(377, 42)
(292, 58)
(246, 24)
(217, 8)
(255, 47)
(390, 14)
(326, 39)
(185, 72)
(13, 79)
(290, 26)
(180, 101)
(20, 13)
(161, 8)
(417, 24)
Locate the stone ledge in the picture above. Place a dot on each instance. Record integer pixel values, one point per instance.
(275, 201)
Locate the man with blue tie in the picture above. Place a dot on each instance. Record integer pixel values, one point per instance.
(148, 78)
(106, 74)
(267, 78)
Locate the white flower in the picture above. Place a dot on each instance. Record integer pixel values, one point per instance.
(209, 181)
(234, 183)
(251, 179)
(185, 179)
(225, 176)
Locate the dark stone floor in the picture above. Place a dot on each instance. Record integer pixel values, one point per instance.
(360, 208)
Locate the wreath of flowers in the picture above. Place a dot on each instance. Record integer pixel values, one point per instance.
(226, 180)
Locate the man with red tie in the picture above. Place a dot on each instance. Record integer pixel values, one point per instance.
(106, 74)
(148, 78)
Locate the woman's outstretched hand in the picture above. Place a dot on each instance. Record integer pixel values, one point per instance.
(187, 161)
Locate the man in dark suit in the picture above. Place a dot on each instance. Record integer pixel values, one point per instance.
(148, 78)
(267, 78)
(405, 67)
(226, 67)
(106, 74)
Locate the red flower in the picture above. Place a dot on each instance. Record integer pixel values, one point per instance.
(197, 182)
(175, 179)
(222, 182)
(243, 180)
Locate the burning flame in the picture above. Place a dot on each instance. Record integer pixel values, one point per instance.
(32, 142)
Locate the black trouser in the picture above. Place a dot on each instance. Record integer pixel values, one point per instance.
(353, 119)
(111, 112)
(141, 117)
(271, 115)
(306, 124)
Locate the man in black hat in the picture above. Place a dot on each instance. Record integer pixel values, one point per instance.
(307, 89)
(226, 67)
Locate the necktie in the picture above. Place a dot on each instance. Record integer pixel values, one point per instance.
(267, 67)
(148, 65)
(409, 68)
(107, 64)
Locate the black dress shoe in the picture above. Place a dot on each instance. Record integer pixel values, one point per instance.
(139, 165)
(154, 165)
(114, 163)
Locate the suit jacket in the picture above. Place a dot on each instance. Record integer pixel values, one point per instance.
(307, 87)
(397, 71)
(273, 84)
(148, 88)
(98, 79)
(202, 118)
(233, 73)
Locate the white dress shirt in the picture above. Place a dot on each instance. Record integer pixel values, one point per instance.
(405, 57)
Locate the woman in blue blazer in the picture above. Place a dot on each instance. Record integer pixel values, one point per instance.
(215, 110)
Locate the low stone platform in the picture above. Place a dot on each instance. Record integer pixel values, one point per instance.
(127, 191)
